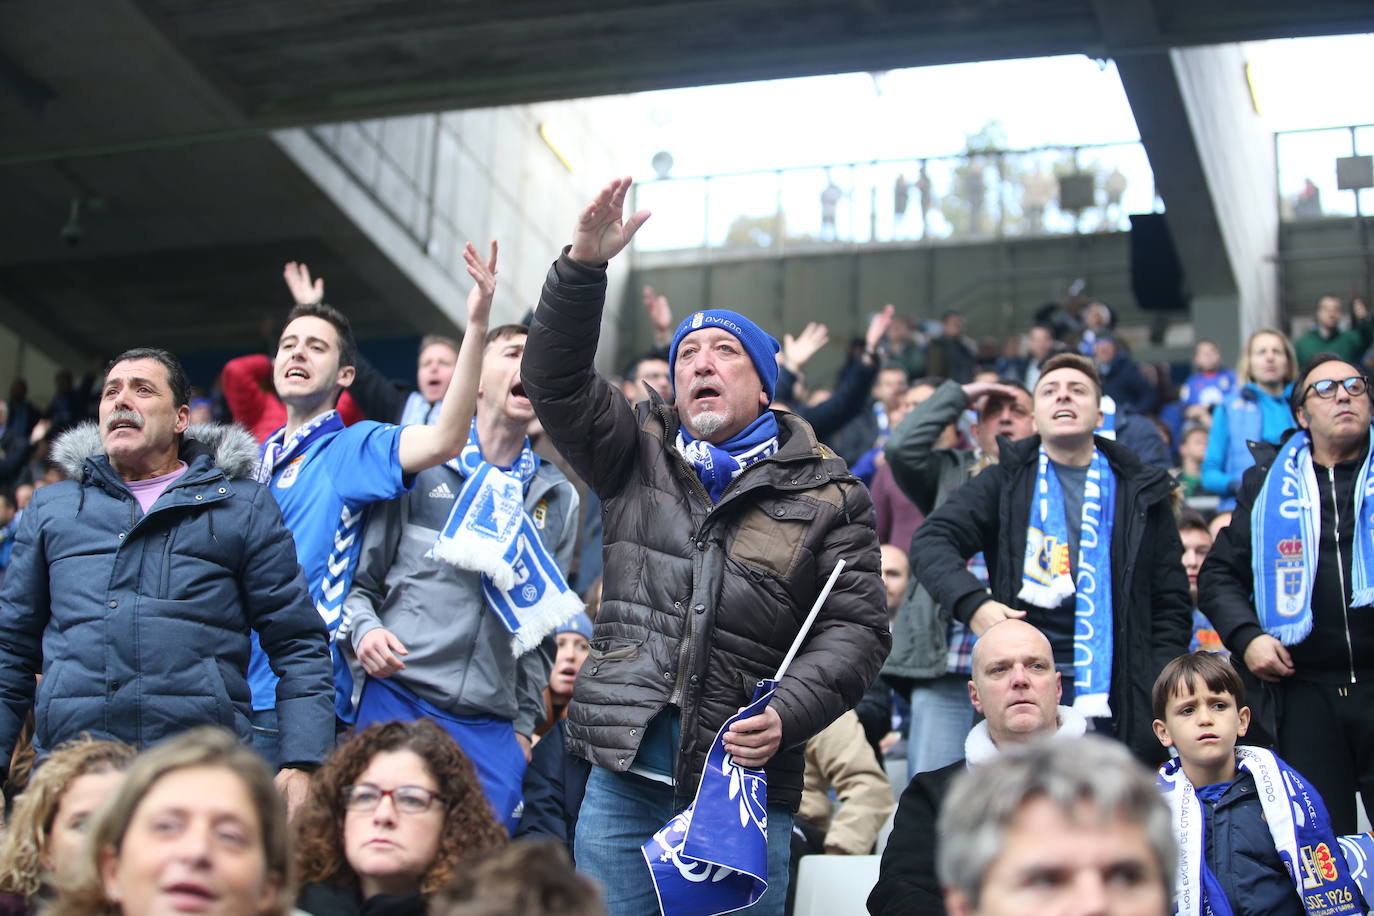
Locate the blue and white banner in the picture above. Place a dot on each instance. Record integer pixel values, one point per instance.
(713, 857)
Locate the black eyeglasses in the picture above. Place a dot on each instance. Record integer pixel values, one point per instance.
(1354, 386)
(366, 797)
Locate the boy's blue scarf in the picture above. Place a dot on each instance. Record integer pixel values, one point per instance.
(1285, 528)
(1297, 821)
(488, 531)
(717, 465)
(1046, 579)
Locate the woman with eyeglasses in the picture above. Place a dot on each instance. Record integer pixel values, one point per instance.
(50, 819)
(388, 818)
(195, 827)
(1257, 412)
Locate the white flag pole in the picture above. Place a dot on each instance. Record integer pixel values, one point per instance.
(810, 619)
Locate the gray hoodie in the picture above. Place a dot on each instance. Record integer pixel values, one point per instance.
(459, 652)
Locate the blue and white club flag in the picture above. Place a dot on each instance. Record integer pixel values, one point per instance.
(713, 857)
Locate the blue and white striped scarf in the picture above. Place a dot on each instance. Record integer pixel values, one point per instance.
(1284, 534)
(717, 465)
(488, 531)
(1046, 579)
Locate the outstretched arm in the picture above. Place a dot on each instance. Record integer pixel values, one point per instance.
(589, 421)
(423, 447)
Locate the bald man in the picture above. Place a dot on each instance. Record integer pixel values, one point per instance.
(1016, 688)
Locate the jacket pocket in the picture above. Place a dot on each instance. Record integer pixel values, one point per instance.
(47, 690)
(224, 707)
(605, 649)
(770, 535)
(165, 585)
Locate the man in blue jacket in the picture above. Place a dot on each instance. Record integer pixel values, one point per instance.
(134, 585)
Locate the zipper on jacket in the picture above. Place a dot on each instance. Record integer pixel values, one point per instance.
(1340, 570)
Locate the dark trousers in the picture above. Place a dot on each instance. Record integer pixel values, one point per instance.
(1327, 735)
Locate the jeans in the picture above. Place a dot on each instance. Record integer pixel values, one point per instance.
(266, 737)
(941, 716)
(621, 811)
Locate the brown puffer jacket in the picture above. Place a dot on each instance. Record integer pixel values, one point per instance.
(701, 601)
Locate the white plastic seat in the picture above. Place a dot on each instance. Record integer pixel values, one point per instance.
(834, 885)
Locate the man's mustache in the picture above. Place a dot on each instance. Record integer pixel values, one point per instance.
(123, 416)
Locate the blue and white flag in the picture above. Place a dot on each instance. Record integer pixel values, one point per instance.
(713, 857)
(1358, 851)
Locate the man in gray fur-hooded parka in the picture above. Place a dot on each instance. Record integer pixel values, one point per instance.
(139, 621)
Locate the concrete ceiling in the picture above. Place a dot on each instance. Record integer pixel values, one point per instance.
(161, 110)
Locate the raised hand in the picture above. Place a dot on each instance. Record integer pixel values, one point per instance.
(797, 350)
(602, 231)
(484, 289)
(303, 290)
(660, 314)
(977, 391)
(877, 327)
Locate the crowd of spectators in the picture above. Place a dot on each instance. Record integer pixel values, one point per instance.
(474, 633)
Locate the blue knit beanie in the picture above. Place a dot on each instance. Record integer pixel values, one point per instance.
(579, 623)
(760, 346)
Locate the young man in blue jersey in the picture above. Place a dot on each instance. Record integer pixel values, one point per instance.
(324, 475)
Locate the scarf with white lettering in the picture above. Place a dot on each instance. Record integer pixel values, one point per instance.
(489, 532)
(1046, 579)
(1285, 528)
(717, 465)
(1298, 824)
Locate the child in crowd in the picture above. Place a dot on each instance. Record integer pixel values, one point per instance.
(1253, 835)
(1209, 385)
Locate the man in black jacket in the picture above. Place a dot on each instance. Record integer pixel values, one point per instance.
(723, 520)
(1103, 578)
(1319, 680)
(1014, 684)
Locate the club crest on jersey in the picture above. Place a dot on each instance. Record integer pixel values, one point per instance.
(288, 476)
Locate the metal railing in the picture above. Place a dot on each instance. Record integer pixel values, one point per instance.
(975, 195)
(1306, 161)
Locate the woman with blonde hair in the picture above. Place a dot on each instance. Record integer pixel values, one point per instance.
(49, 820)
(389, 817)
(1257, 412)
(196, 826)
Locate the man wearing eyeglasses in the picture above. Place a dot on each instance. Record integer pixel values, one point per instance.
(1290, 584)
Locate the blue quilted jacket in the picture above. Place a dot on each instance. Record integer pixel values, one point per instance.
(140, 623)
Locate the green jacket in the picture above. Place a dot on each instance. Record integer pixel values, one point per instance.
(1349, 345)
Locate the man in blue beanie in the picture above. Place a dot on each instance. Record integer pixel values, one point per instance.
(723, 519)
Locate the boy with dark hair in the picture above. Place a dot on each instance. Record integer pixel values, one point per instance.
(1253, 835)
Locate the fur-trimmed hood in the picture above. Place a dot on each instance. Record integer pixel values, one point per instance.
(231, 447)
